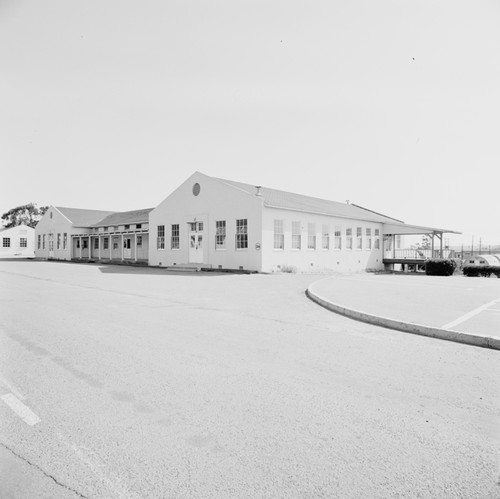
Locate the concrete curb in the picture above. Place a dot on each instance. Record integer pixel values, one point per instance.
(406, 327)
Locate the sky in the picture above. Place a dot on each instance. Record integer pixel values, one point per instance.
(393, 105)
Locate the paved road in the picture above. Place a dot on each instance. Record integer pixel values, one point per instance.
(148, 384)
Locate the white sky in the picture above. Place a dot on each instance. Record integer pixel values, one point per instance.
(394, 105)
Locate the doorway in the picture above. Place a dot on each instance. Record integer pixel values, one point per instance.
(195, 242)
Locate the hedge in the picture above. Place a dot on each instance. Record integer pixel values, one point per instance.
(481, 270)
(440, 266)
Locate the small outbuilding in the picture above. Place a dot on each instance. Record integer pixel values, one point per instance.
(17, 242)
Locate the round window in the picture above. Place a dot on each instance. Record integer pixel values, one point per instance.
(196, 189)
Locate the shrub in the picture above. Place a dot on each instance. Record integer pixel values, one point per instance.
(481, 270)
(289, 269)
(440, 266)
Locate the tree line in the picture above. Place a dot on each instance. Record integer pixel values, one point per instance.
(27, 214)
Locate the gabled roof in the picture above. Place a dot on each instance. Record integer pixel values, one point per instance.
(274, 198)
(20, 227)
(125, 217)
(83, 218)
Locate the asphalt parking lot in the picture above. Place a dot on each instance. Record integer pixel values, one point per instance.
(136, 382)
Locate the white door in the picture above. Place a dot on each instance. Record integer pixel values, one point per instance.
(51, 245)
(127, 248)
(196, 242)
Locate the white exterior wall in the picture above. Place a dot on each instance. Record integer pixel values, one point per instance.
(306, 260)
(215, 201)
(14, 235)
(57, 224)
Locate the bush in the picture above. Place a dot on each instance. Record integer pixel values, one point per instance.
(481, 270)
(440, 266)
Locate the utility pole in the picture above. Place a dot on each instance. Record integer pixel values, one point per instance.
(479, 245)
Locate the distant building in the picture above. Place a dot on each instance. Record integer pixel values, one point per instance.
(17, 242)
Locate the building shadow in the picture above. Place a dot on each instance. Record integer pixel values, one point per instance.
(132, 270)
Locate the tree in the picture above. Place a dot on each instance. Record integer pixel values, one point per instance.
(425, 244)
(28, 214)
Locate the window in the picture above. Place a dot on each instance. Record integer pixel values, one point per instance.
(174, 240)
(359, 238)
(139, 241)
(65, 240)
(311, 236)
(58, 240)
(325, 243)
(338, 237)
(6, 242)
(85, 244)
(51, 242)
(279, 236)
(115, 243)
(127, 227)
(220, 234)
(43, 241)
(39, 245)
(348, 238)
(138, 226)
(96, 243)
(368, 239)
(23, 242)
(296, 243)
(196, 226)
(77, 243)
(105, 243)
(160, 240)
(398, 242)
(377, 240)
(105, 229)
(241, 233)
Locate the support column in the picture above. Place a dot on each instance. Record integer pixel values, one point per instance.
(81, 246)
(393, 245)
(110, 247)
(432, 245)
(122, 249)
(90, 247)
(100, 244)
(135, 247)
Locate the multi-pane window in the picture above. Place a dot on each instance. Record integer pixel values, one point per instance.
(398, 242)
(160, 239)
(127, 227)
(279, 235)
(311, 236)
(58, 240)
(296, 243)
(338, 237)
(96, 243)
(78, 244)
(220, 234)
(325, 239)
(43, 241)
(359, 237)
(348, 238)
(23, 242)
(139, 241)
(65, 240)
(138, 226)
(242, 233)
(51, 241)
(377, 239)
(115, 243)
(105, 243)
(368, 238)
(6, 242)
(174, 239)
(39, 245)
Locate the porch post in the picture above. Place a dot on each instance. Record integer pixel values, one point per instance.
(100, 240)
(122, 249)
(393, 245)
(90, 247)
(110, 246)
(432, 245)
(81, 251)
(135, 247)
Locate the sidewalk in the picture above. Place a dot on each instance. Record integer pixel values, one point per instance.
(456, 308)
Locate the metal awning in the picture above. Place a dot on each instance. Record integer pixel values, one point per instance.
(407, 229)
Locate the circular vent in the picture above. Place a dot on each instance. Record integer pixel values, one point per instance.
(196, 189)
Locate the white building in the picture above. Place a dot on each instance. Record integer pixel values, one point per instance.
(216, 223)
(17, 242)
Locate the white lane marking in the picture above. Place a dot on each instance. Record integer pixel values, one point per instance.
(23, 411)
(11, 388)
(472, 313)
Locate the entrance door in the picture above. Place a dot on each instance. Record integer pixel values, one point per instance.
(51, 245)
(196, 242)
(127, 247)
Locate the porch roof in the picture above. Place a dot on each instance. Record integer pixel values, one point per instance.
(408, 229)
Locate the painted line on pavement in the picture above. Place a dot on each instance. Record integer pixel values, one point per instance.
(11, 388)
(472, 313)
(23, 411)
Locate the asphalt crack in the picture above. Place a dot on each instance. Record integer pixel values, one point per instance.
(55, 480)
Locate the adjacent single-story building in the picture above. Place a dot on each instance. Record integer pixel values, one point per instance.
(17, 242)
(55, 230)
